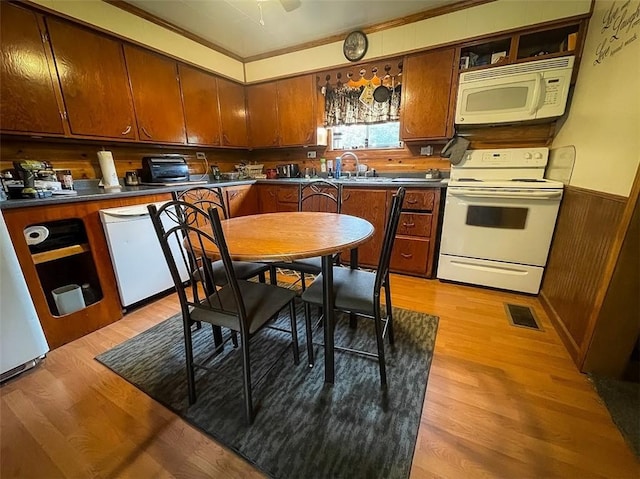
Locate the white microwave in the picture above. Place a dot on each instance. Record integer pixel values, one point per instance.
(513, 93)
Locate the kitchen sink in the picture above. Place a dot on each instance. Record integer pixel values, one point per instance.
(371, 179)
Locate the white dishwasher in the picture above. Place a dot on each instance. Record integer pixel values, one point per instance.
(138, 262)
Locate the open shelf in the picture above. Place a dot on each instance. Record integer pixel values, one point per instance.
(539, 44)
(59, 253)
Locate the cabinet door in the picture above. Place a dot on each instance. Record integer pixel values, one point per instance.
(263, 115)
(94, 81)
(201, 109)
(267, 198)
(233, 117)
(426, 89)
(372, 206)
(297, 111)
(242, 200)
(27, 95)
(156, 96)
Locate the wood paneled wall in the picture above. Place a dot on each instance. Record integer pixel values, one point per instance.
(585, 232)
(81, 157)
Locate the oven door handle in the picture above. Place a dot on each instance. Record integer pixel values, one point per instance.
(534, 195)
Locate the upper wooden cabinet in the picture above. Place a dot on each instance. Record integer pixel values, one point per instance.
(426, 94)
(262, 104)
(27, 87)
(233, 116)
(297, 116)
(156, 96)
(94, 82)
(283, 113)
(201, 109)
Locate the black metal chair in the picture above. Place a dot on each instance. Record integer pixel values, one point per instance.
(211, 197)
(242, 306)
(316, 195)
(359, 292)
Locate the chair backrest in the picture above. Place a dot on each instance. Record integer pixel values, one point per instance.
(389, 237)
(203, 197)
(202, 249)
(320, 195)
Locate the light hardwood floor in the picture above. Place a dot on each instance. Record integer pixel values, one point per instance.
(501, 401)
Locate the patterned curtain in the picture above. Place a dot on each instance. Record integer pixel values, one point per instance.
(362, 101)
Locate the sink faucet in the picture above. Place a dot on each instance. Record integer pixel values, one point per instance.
(355, 157)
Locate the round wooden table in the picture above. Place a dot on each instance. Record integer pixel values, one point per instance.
(289, 236)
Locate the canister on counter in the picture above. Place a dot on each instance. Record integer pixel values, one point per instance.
(65, 178)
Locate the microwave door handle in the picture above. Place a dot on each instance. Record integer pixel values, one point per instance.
(537, 93)
(541, 195)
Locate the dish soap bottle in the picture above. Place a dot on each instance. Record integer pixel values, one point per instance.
(323, 165)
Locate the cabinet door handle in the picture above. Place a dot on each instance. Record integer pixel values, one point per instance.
(233, 194)
(406, 256)
(408, 225)
(412, 202)
(126, 130)
(144, 130)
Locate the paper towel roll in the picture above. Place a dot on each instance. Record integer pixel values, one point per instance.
(109, 175)
(36, 234)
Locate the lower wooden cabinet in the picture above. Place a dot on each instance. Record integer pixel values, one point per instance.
(371, 205)
(275, 198)
(415, 245)
(242, 200)
(86, 261)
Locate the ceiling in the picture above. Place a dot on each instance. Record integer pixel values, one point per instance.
(234, 25)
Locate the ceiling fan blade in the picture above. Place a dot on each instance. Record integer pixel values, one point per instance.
(290, 5)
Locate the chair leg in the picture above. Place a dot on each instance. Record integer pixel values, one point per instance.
(246, 369)
(294, 332)
(188, 349)
(303, 282)
(389, 308)
(380, 341)
(273, 278)
(261, 277)
(307, 324)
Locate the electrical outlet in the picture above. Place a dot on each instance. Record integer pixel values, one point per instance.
(201, 156)
(426, 150)
(311, 154)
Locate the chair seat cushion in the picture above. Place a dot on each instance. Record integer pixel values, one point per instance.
(261, 302)
(353, 290)
(306, 265)
(243, 270)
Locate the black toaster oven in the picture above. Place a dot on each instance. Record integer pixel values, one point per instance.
(165, 169)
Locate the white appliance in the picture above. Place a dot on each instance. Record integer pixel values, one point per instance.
(499, 218)
(138, 262)
(22, 341)
(513, 93)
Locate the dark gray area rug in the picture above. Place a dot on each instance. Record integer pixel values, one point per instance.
(303, 428)
(622, 399)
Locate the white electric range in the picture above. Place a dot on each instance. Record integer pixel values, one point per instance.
(499, 218)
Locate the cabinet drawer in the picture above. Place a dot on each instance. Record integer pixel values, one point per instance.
(415, 224)
(288, 195)
(410, 255)
(418, 200)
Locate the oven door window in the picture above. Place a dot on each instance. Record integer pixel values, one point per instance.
(497, 217)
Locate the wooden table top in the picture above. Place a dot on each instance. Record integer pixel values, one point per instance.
(293, 235)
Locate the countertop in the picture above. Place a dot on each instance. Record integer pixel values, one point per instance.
(88, 190)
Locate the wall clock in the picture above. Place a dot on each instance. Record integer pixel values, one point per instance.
(355, 46)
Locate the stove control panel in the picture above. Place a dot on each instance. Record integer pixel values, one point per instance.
(503, 164)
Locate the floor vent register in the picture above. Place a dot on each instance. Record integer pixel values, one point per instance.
(522, 316)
